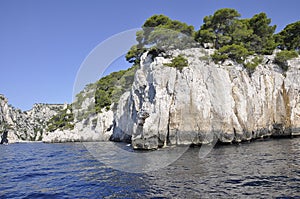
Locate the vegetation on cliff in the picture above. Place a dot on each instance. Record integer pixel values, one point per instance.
(178, 62)
(289, 37)
(105, 92)
(62, 121)
(232, 37)
(111, 87)
(160, 33)
(283, 56)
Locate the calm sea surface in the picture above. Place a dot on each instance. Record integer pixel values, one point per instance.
(261, 169)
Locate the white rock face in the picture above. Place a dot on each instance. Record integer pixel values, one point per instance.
(207, 101)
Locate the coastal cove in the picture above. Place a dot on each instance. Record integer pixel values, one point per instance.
(67, 170)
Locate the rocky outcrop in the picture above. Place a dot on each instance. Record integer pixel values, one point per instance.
(26, 125)
(207, 101)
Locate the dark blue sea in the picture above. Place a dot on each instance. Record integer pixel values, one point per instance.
(260, 169)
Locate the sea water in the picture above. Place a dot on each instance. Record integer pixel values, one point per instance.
(260, 169)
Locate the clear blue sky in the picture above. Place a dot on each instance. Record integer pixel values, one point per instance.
(44, 42)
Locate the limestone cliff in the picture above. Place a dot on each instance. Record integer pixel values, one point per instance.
(207, 101)
(26, 125)
(201, 103)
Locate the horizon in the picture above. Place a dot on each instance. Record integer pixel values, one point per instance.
(45, 43)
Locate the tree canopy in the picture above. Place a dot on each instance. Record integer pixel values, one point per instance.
(226, 28)
(289, 37)
(232, 37)
(162, 33)
(217, 28)
(262, 40)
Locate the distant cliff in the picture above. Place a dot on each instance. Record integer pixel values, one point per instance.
(26, 125)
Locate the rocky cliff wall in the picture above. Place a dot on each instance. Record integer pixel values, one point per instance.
(201, 103)
(207, 101)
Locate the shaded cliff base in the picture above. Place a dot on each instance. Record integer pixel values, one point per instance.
(198, 139)
(152, 143)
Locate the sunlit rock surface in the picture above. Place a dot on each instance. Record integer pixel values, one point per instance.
(207, 101)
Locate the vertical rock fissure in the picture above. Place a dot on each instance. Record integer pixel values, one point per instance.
(167, 141)
(235, 99)
(287, 107)
(236, 113)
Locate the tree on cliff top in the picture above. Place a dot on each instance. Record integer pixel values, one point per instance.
(289, 37)
(225, 28)
(161, 33)
(262, 40)
(217, 28)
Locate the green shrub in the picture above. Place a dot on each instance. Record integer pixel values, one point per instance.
(253, 63)
(61, 121)
(102, 100)
(283, 56)
(235, 52)
(110, 88)
(105, 91)
(178, 62)
(204, 58)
